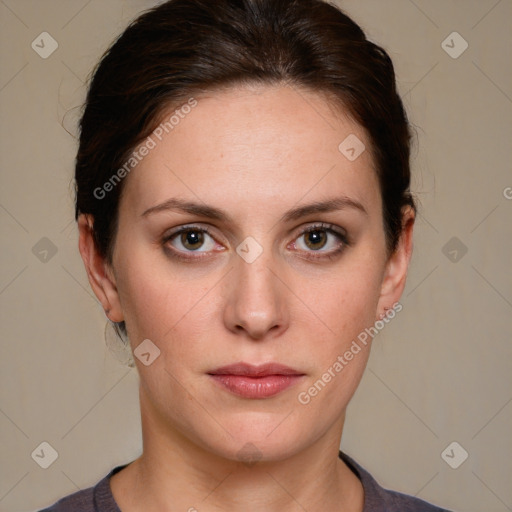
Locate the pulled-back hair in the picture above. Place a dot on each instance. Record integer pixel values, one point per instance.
(183, 47)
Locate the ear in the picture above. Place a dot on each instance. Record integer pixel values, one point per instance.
(99, 272)
(395, 273)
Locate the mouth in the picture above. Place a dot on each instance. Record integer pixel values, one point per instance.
(256, 382)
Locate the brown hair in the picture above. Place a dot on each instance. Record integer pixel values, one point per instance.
(182, 47)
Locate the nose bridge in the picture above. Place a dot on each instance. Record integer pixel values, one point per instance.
(256, 279)
(255, 303)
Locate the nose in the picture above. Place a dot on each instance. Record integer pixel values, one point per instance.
(255, 303)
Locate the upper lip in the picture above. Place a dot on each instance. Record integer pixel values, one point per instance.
(251, 370)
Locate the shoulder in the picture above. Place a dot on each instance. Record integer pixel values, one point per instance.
(81, 501)
(378, 499)
(94, 499)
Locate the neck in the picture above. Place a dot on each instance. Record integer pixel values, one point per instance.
(173, 473)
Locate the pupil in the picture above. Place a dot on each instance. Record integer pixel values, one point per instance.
(192, 239)
(315, 238)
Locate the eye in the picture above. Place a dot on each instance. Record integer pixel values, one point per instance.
(191, 239)
(324, 239)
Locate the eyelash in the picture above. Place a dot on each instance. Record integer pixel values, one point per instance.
(328, 228)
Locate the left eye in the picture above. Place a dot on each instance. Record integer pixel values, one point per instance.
(319, 239)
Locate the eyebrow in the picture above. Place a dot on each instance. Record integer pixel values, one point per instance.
(204, 210)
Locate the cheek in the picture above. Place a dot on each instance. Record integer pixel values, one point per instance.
(339, 360)
(153, 306)
(166, 306)
(345, 305)
(345, 301)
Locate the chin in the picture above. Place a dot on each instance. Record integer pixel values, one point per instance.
(259, 437)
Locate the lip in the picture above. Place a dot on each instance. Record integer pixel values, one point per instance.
(251, 381)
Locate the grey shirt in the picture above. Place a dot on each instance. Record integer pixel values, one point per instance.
(376, 499)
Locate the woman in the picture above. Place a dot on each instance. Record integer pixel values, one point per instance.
(245, 219)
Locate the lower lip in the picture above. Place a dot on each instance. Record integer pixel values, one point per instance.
(256, 387)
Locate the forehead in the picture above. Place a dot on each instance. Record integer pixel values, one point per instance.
(254, 146)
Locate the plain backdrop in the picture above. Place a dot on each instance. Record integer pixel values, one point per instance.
(440, 373)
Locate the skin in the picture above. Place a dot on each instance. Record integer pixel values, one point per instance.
(254, 152)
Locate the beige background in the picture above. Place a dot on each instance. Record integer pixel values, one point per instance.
(440, 372)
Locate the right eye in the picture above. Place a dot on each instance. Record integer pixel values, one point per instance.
(187, 240)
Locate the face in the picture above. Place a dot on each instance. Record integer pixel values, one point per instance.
(247, 238)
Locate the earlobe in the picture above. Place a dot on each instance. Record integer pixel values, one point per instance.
(395, 274)
(98, 270)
